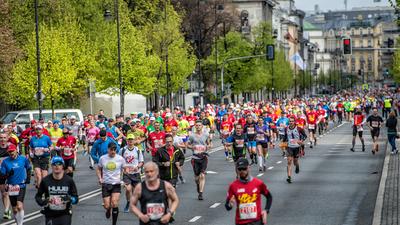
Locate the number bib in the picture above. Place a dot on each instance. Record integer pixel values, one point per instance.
(68, 151)
(260, 137)
(375, 124)
(155, 210)
(56, 203)
(250, 130)
(359, 128)
(198, 149)
(158, 143)
(13, 190)
(39, 151)
(239, 143)
(248, 211)
(293, 142)
(131, 169)
(311, 126)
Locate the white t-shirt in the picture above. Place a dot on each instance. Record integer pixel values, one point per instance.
(132, 159)
(112, 168)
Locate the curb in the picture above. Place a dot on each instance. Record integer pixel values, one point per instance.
(381, 191)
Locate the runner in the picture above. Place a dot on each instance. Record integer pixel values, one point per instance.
(281, 125)
(251, 134)
(158, 199)
(156, 139)
(40, 146)
(263, 138)
(108, 172)
(200, 143)
(312, 125)
(295, 136)
(3, 187)
(358, 129)
(375, 122)
(100, 147)
(59, 192)
(226, 130)
(91, 133)
(237, 140)
(179, 143)
(169, 159)
(246, 191)
(134, 163)
(66, 146)
(16, 169)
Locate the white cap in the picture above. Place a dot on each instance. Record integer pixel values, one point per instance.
(72, 117)
(136, 120)
(101, 125)
(152, 118)
(39, 127)
(168, 115)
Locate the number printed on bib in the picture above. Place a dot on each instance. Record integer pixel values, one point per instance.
(198, 149)
(293, 141)
(311, 126)
(359, 128)
(56, 203)
(248, 211)
(13, 190)
(39, 151)
(155, 210)
(67, 151)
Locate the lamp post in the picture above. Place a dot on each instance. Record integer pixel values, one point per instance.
(108, 16)
(217, 7)
(38, 95)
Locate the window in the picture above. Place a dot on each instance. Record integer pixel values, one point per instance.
(8, 117)
(23, 119)
(353, 63)
(352, 31)
(369, 62)
(361, 31)
(369, 30)
(331, 33)
(46, 116)
(369, 43)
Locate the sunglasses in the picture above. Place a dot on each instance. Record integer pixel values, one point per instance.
(58, 164)
(242, 169)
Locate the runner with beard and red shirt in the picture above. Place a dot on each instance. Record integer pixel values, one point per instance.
(226, 130)
(247, 192)
(321, 119)
(156, 139)
(192, 120)
(66, 145)
(312, 117)
(250, 131)
(340, 109)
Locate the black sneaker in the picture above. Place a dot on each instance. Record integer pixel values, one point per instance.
(297, 169)
(283, 154)
(363, 148)
(289, 180)
(200, 197)
(311, 146)
(198, 187)
(91, 167)
(108, 213)
(126, 209)
(182, 179)
(352, 149)
(373, 152)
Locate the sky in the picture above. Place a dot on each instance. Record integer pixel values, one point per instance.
(325, 5)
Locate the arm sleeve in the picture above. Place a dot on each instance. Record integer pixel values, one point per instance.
(74, 193)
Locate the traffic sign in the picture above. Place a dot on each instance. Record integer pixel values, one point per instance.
(39, 96)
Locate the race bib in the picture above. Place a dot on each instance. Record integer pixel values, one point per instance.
(250, 130)
(91, 139)
(239, 143)
(248, 211)
(293, 142)
(56, 203)
(131, 169)
(191, 123)
(68, 151)
(198, 149)
(375, 124)
(39, 151)
(13, 190)
(260, 137)
(359, 128)
(311, 126)
(158, 143)
(155, 210)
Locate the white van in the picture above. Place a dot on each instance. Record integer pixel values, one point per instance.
(25, 117)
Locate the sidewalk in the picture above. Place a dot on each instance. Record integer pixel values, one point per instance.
(388, 198)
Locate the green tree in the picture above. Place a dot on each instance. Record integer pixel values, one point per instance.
(65, 55)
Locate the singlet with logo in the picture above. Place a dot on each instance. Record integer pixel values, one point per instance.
(199, 143)
(132, 159)
(250, 130)
(238, 143)
(375, 121)
(154, 203)
(112, 168)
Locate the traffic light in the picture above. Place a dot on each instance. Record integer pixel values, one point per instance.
(270, 52)
(347, 49)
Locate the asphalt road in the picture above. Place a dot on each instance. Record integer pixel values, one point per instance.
(334, 186)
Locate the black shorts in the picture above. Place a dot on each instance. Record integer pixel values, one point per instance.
(59, 220)
(108, 189)
(18, 198)
(82, 140)
(199, 165)
(42, 163)
(68, 163)
(293, 152)
(311, 131)
(259, 222)
(375, 132)
(263, 144)
(131, 179)
(282, 137)
(360, 133)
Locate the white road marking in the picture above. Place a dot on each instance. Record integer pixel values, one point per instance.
(270, 168)
(194, 219)
(279, 162)
(259, 175)
(210, 172)
(215, 205)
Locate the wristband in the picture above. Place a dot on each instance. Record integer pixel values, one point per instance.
(171, 212)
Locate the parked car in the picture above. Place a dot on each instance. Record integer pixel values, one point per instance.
(24, 117)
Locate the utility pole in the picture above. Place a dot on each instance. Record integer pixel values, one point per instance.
(169, 102)
(39, 78)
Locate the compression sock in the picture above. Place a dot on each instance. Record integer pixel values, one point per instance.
(226, 153)
(19, 217)
(114, 215)
(260, 161)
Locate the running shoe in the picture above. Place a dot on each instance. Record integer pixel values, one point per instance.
(289, 180)
(297, 169)
(7, 215)
(200, 197)
(182, 179)
(108, 213)
(126, 209)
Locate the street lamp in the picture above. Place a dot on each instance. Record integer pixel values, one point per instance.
(217, 7)
(39, 96)
(108, 17)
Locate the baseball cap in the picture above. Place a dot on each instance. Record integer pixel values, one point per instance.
(56, 122)
(73, 117)
(130, 137)
(11, 148)
(33, 121)
(102, 126)
(39, 127)
(103, 133)
(152, 118)
(57, 160)
(242, 163)
(136, 120)
(168, 115)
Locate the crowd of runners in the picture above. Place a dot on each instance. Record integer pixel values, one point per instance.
(143, 153)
